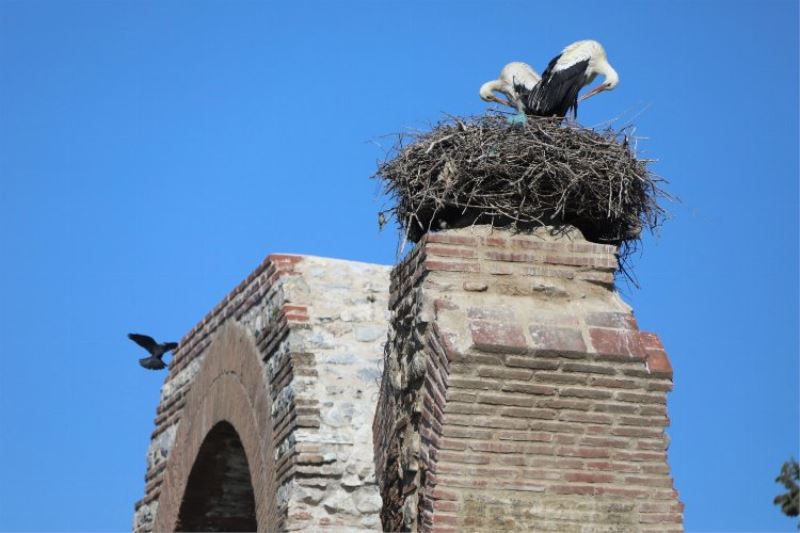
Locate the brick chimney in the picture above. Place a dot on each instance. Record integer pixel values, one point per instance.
(518, 392)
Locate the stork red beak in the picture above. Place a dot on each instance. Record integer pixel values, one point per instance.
(597, 90)
(501, 101)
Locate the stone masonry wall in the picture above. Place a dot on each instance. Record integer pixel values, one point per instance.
(291, 358)
(519, 393)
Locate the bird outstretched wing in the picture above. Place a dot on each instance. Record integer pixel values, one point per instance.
(152, 363)
(146, 342)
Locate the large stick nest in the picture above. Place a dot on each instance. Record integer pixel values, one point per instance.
(483, 170)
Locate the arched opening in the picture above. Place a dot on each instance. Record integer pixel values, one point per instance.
(219, 492)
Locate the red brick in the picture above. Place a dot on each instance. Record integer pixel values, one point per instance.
(527, 436)
(616, 342)
(495, 241)
(519, 374)
(445, 266)
(613, 383)
(557, 377)
(650, 341)
(460, 396)
(604, 442)
(659, 481)
(530, 361)
(453, 444)
(588, 453)
(529, 388)
(497, 337)
(611, 320)
(658, 363)
(471, 383)
(616, 408)
(470, 409)
(443, 505)
(594, 418)
(587, 368)
(653, 410)
(284, 258)
(655, 469)
(631, 431)
(511, 460)
(566, 404)
(444, 494)
(586, 393)
(659, 385)
(556, 339)
(449, 251)
(505, 399)
(451, 239)
(654, 444)
(443, 519)
(464, 432)
(572, 489)
(589, 477)
(640, 398)
(516, 257)
(497, 422)
(626, 493)
(463, 458)
(642, 421)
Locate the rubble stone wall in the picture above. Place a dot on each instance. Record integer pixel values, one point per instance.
(291, 359)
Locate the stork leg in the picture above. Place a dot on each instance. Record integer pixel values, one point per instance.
(519, 118)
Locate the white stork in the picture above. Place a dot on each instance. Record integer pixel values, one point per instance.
(516, 81)
(574, 68)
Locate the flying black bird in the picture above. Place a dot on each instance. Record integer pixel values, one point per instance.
(156, 350)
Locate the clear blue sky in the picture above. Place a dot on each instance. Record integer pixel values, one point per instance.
(151, 154)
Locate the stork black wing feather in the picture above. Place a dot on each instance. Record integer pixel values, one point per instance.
(550, 66)
(557, 93)
(522, 91)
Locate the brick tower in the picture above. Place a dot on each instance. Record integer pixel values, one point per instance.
(518, 392)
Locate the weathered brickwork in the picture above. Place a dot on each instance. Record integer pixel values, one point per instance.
(519, 393)
(291, 360)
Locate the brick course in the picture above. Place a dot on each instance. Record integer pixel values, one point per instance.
(519, 393)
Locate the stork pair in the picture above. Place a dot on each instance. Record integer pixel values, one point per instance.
(555, 93)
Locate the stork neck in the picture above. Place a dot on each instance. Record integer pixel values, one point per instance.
(490, 86)
(612, 78)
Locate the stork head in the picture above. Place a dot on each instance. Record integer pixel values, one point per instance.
(487, 92)
(611, 81)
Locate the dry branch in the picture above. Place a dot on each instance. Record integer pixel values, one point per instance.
(483, 170)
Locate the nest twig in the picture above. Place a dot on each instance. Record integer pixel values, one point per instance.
(483, 170)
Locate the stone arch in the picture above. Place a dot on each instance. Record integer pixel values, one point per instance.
(221, 415)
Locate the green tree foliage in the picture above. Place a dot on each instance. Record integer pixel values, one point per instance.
(789, 476)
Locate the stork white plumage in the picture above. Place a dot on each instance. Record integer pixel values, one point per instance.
(574, 68)
(516, 81)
